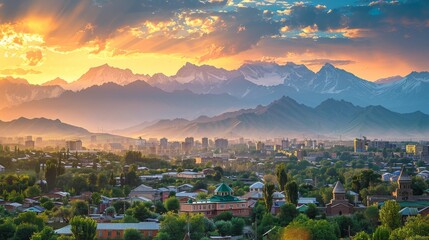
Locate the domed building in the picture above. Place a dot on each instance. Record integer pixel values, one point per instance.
(223, 200)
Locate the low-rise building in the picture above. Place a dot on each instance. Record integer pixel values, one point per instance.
(191, 175)
(146, 192)
(116, 230)
(222, 201)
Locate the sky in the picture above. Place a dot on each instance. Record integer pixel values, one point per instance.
(44, 39)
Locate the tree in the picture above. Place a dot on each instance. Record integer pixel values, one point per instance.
(287, 213)
(226, 216)
(131, 179)
(112, 180)
(48, 205)
(7, 230)
(381, 233)
(224, 227)
(102, 180)
(389, 215)
(202, 196)
(371, 214)
(159, 207)
(172, 227)
(121, 206)
(414, 227)
(33, 191)
(418, 185)
(92, 181)
(172, 204)
(80, 208)
(303, 227)
(141, 212)
(51, 174)
(268, 191)
(237, 226)
(24, 231)
(79, 184)
(46, 234)
(362, 236)
(65, 213)
(96, 198)
(312, 211)
(110, 211)
(83, 228)
(281, 176)
(132, 234)
(291, 192)
(30, 218)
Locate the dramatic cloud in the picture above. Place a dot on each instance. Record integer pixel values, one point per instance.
(318, 62)
(33, 58)
(18, 71)
(221, 32)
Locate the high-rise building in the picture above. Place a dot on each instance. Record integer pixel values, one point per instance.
(163, 143)
(285, 144)
(360, 145)
(190, 141)
(413, 149)
(221, 144)
(425, 153)
(260, 146)
(29, 144)
(74, 145)
(205, 143)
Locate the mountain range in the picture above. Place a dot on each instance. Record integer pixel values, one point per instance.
(52, 129)
(286, 117)
(110, 98)
(14, 91)
(112, 106)
(263, 82)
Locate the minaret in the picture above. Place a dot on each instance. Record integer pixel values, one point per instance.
(404, 191)
(339, 193)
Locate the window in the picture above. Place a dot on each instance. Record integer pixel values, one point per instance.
(222, 206)
(100, 234)
(109, 233)
(118, 233)
(149, 233)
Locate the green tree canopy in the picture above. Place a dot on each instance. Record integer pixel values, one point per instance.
(172, 204)
(132, 234)
(83, 228)
(291, 192)
(268, 191)
(389, 214)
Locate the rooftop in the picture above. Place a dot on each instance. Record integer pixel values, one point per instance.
(339, 188)
(404, 175)
(115, 226)
(223, 188)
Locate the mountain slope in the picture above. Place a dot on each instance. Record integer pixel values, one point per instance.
(105, 74)
(40, 127)
(112, 106)
(15, 91)
(286, 117)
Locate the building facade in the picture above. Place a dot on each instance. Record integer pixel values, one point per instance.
(222, 201)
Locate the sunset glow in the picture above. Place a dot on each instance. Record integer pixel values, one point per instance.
(42, 39)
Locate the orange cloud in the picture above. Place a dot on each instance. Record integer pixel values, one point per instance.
(18, 71)
(34, 57)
